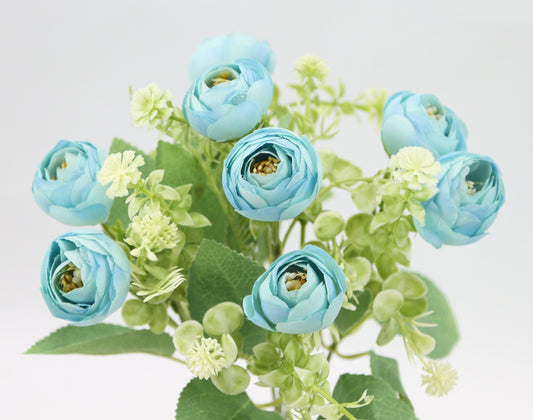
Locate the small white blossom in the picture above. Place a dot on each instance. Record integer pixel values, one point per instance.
(148, 105)
(416, 166)
(120, 169)
(441, 378)
(151, 232)
(205, 358)
(309, 65)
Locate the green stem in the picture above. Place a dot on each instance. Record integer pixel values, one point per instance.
(351, 356)
(276, 247)
(270, 404)
(285, 239)
(332, 400)
(302, 233)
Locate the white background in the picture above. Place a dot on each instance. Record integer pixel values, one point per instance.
(64, 73)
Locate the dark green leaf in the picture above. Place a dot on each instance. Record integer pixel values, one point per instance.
(384, 406)
(103, 339)
(346, 319)
(181, 167)
(445, 333)
(201, 400)
(387, 370)
(219, 274)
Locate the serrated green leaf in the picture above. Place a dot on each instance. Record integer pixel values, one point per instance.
(103, 339)
(446, 333)
(119, 210)
(346, 319)
(181, 167)
(192, 404)
(385, 406)
(387, 370)
(219, 274)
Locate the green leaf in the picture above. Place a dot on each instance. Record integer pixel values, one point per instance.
(387, 370)
(119, 210)
(219, 274)
(385, 406)
(181, 167)
(103, 339)
(201, 400)
(346, 319)
(445, 333)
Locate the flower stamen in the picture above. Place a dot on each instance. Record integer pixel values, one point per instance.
(433, 112)
(293, 281)
(266, 167)
(71, 278)
(223, 77)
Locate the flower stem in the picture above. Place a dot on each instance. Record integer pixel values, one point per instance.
(332, 400)
(270, 404)
(286, 238)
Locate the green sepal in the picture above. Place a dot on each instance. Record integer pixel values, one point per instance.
(388, 332)
(136, 313)
(408, 284)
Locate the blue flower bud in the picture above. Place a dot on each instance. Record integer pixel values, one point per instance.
(301, 292)
(65, 184)
(421, 120)
(228, 48)
(271, 174)
(470, 194)
(228, 100)
(85, 277)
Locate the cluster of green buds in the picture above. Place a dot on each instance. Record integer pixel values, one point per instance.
(214, 357)
(287, 363)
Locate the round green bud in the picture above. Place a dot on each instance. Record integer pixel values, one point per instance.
(422, 343)
(386, 304)
(328, 224)
(275, 378)
(358, 272)
(136, 313)
(232, 380)
(412, 308)
(230, 349)
(387, 332)
(186, 335)
(159, 320)
(266, 353)
(223, 318)
(408, 284)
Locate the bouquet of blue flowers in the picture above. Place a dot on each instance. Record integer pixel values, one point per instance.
(223, 252)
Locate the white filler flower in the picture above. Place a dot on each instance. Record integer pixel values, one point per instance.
(205, 358)
(415, 166)
(120, 169)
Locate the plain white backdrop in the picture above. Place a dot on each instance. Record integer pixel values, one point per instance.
(64, 74)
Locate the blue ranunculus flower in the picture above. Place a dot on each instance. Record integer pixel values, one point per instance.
(300, 293)
(228, 100)
(470, 195)
(228, 48)
(65, 184)
(85, 277)
(421, 120)
(271, 174)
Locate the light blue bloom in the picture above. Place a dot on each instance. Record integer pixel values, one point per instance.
(421, 120)
(470, 194)
(229, 100)
(65, 184)
(228, 48)
(271, 174)
(301, 292)
(99, 286)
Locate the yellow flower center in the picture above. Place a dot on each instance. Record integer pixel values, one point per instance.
(70, 278)
(433, 112)
(223, 77)
(293, 281)
(266, 167)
